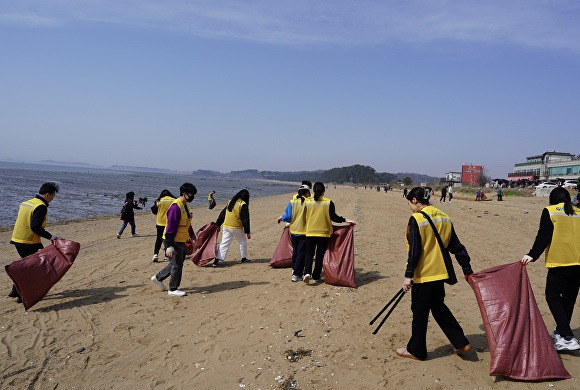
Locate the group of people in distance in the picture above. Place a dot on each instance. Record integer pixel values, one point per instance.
(310, 216)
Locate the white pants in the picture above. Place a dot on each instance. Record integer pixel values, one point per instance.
(227, 236)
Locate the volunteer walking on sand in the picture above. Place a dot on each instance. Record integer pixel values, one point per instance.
(160, 208)
(426, 272)
(235, 218)
(30, 224)
(176, 234)
(559, 236)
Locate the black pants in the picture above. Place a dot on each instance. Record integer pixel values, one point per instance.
(425, 298)
(315, 247)
(562, 284)
(159, 239)
(298, 252)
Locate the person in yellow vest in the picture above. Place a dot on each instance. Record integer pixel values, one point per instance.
(235, 218)
(30, 225)
(295, 215)
(426, 273)
(211, 200)
(175, 235)
(559, 236)
(160, 210)
(320, 214)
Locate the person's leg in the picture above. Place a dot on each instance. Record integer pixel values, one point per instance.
(243, 241)
(570, 293)
(445, 318)
(321, 245)
(158, 239)
(227, 237)
(309, 247)
(555, 285)
(295, 243)
(177, 266)
(298, 267)
(420, 306)
(132, 223)
(23, 251)
(123, 226)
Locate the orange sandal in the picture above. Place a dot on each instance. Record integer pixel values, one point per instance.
(402, 352)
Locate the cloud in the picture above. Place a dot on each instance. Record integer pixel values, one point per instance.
(546, 24)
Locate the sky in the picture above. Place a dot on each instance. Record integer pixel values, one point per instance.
(401, 86)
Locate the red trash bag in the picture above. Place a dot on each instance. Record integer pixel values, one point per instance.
(338, 262)
(282, 257)
(190, 243)
(205, 245)
(35, 275)
(519, 343)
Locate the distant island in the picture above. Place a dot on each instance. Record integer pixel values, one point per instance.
(354, 174)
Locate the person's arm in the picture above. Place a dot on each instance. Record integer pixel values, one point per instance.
(333, 216)
(415, 247)
(36, 222)
(461, 255)
(287, 216)
(245, 217)
(173, 218)
(544, 236)
(220, 219)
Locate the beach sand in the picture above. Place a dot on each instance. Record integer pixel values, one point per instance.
(106, 326)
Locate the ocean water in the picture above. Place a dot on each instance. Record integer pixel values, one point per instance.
(87, 192)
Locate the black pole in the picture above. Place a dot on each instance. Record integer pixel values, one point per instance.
(400, 292)
(389, 313)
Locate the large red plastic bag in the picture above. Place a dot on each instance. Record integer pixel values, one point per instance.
(205, 244)
(338, 262)
(35, 275)
(282, 257)
(519, 343)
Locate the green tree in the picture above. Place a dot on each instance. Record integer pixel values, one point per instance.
(407, 181)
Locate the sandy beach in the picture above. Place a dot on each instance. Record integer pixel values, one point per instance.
(106, 326)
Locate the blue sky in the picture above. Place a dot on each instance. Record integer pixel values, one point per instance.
(402, 86)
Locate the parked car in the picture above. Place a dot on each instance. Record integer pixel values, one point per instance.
(547, 184)
(570, 184)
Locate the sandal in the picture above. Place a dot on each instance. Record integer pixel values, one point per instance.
(402, 352)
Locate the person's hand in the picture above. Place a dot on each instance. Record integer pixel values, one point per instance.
(53, 238)
(248, 236)
(169, 252)
(468, 276)
(279, 219)
(351, 222)
(526, 260)
(407, 284)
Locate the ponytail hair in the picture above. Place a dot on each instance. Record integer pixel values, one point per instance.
(318, 190)
(561, 195)
(243, 195)
(421, 194)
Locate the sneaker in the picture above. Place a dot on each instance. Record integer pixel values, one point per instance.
(166, 259)
(244, 260)
(135, 235)
(567, 343)
(118, 236)
(176, 293)
(216, 263)
(155, 258)
(19, 299)
(307, 278)
(317, 281)
(296, 278)
(158, 282)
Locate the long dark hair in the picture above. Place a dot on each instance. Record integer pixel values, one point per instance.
(421, 194)
(301, 193)
(561, 195)
(318, 190)
(243, 195)
(165, 193)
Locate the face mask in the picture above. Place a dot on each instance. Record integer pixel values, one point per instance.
(189, 199)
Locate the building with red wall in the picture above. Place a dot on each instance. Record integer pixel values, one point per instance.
(470, 174)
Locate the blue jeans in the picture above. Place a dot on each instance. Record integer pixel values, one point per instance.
(132, 223)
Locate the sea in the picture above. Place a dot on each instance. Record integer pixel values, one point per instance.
(93, 192)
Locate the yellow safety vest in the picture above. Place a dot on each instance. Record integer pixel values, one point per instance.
(22, 232)
(318, 223)
(431, 265)
(564, 249)
(182, 234)
(162, 207)
(232, 219)
(298, 218)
